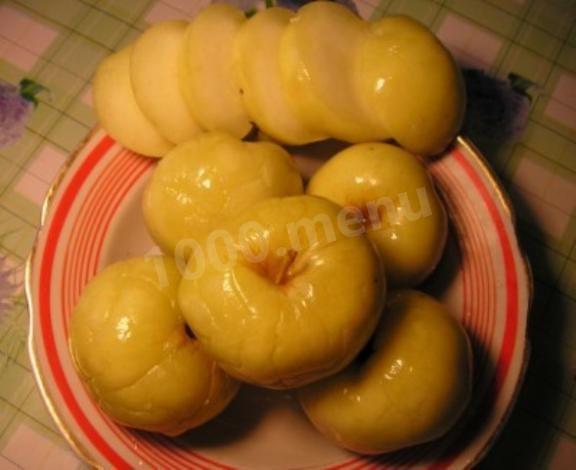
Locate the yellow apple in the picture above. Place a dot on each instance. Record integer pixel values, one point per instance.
(201, 183)
(391, 191)
(154, 70)
(281, 297)
(117, 109)
(130, 345)
(317, 60)
(409, 84)
(208, 78)
(409, 386)
(258, 68)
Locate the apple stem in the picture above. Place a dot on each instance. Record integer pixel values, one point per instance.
(282, 273)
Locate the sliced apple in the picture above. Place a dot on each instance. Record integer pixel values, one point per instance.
(408, 387)
(154, 70)
(130, 345)
(285, 298)
(317, 56)
(258, 67)
(208, 79)
(201, 183)
(117, 109)
(409, 84)
(393, 194)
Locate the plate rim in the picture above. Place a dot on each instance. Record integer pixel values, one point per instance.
(47, 201)
(507, 204)
(483, 164)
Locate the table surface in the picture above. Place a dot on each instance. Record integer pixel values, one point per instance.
(59, 44)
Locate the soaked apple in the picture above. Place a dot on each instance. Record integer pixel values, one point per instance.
(409, 387)
(289, 299)
(130, 346)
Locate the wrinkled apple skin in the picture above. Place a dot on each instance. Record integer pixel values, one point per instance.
(208, 77)
(154, 69)
(411, 386)
(201, 183)
(410, 224)
(410, 85)
(130, 347)
(298, 307)
(117, 109)
(258, 67)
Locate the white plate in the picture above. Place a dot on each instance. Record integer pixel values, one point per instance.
(92, 218)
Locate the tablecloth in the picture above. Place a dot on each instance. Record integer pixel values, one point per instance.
(59, 43)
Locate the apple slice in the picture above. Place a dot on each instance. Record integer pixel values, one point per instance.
(130, 345)
(317, 56)
(409, 84)
(258, 67)
(117, 109)
(409, 386)
(208, 78)
(201, 183)
(393, 194)
(282, 296)
(154, 70)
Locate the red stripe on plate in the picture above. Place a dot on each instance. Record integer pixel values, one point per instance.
(73, 281)
(511, 276)
(511, 291)
(187, 456)
(136, 169)
(68, 293)
(156, 454)
(477, 247)
(85, 267)
(45, 279)
(103, 205)
(96, 204)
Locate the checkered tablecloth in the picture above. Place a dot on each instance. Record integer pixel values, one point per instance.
(59, 43)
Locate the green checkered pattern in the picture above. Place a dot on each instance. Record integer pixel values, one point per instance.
(532, 38)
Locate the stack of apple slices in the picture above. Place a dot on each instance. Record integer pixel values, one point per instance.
(302, 77)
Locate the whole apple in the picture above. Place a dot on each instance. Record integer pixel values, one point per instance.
(409, 386)
(286, 297)
(391, 191)
(131, 347)
(198, 185)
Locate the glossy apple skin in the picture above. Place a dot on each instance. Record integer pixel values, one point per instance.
(129, 345)
(298, 308)
(411, 223)
(201, 183)
(208, 78)
(264, 96)
(410, 84)
(410, 387)
(317, 59)
(154, 70)
(117, 109)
